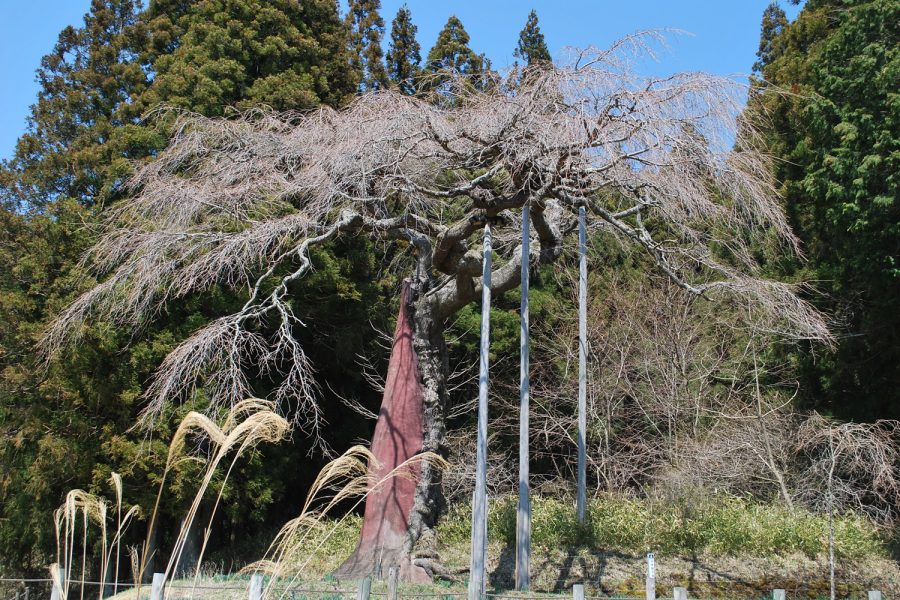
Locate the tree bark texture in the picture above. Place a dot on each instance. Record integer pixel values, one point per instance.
(403, 503)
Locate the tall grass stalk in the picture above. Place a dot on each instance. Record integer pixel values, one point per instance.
(346, 477)
(247, 424)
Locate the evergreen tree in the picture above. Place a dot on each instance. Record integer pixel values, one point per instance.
(838, 146)
(210, 55)
(451, 51)
(365, 29)
(532, 48)
(773, 23)
(451, 57)
(86, 87)
(403, 57)
(68, 426)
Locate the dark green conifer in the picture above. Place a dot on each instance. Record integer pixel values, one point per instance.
(214, 54)
(451, 51)
(532, 48)
(838, 158)
(86, 85)
(403, 56)
(365, 29)
(774, 21)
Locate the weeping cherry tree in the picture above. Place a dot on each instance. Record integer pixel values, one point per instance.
(666, 164)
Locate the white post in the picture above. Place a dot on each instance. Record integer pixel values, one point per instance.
(650, 589)
(582, 363)
(256, 586)
(156, 587)
(58, 584)
(680, 593)
(365, 588)
(523, 513)
(393, 582)
(479, 505)
(779, 594)
(578, 591)
(874, 595)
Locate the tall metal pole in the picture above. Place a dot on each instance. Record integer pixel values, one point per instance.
(479, 503)
(582, 362)
(523, 514)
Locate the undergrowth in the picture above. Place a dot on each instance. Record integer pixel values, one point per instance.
(712, 527)
(722, 526)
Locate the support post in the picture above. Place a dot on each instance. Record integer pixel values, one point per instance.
(779, 595)
(256, 586)
(680, 593)
(578, 591)
(58, 584)
(650, 588)
(479, 505)
(874, 595)
(523, 513)
(582, 364)
(156, 587)
(393, 582)
(365, 588)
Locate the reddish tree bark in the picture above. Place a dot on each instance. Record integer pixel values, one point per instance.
(399, 435)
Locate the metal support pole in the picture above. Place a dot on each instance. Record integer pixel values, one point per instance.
(479, 505)
(523, 513)
(582, 363)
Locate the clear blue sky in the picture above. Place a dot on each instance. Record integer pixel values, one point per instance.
(724, 40)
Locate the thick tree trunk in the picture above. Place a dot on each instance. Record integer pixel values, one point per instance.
(402, 508)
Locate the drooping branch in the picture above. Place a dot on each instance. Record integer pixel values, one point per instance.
(240, 203)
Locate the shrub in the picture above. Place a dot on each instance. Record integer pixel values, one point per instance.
(718, 525)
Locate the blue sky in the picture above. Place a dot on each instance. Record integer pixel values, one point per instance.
(725, 35)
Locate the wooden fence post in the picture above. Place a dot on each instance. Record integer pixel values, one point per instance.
(578, 591)
(365, 588)
(874, 595)
(477, 570)
(58, 584)
(156, 587)
(523, 512)
(650, 588)
(582, 366)
(393, 581)
(778, 595)
(256, 586)
(680, 593)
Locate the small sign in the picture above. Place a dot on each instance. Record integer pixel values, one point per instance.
(651, 566)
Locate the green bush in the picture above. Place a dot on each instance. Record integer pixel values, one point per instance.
(720, 525)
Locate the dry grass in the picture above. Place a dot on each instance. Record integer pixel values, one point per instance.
(248, 423)
(311, 544)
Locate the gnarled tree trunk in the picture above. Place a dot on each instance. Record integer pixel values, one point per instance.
(405, 503)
